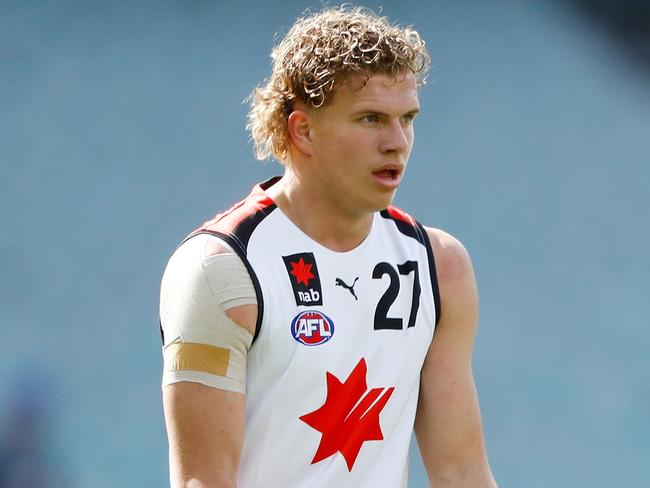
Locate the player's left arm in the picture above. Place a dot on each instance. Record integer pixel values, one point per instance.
(448, 422)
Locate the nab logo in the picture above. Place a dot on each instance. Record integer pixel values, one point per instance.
(311, 296)
(303, 274)
(312, 328)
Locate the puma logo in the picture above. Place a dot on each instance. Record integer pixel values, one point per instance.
(340, 282)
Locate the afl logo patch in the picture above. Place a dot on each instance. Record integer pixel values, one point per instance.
(312, 328)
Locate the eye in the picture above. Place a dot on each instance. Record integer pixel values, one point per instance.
(370, 118)
(408, 119)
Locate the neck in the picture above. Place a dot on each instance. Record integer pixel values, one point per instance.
(322, 220)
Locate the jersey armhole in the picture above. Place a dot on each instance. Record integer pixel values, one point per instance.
(234, 244)
(432, 270)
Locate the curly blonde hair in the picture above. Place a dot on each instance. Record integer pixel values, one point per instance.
(319, 51)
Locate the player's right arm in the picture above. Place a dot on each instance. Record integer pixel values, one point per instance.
(208, 321)
(205, 428)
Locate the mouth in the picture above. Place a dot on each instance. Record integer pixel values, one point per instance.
(388, 176)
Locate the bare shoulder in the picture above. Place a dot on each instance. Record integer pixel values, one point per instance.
(453, 262)
(457, 286)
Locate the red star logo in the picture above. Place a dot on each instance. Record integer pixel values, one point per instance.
(302, 271)
(349, 416)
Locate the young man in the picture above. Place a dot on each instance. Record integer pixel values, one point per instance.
(298, 326)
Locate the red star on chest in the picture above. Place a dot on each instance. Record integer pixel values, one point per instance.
(302, 271)
(349, 417)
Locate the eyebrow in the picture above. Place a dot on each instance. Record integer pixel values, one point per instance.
(383, 114)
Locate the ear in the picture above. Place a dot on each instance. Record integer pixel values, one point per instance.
(299, 127)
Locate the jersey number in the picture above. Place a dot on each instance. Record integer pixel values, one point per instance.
(382, 320)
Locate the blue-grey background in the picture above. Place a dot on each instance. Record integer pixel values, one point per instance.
(122, 128)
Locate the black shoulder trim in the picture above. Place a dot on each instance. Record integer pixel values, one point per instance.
(241, 229)
(432, 271)
(412, 228)
(162, 333)
(405, 227)
(232, 242)
(235, 227)
(244, 230)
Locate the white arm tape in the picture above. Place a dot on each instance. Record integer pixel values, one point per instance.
(202, 344)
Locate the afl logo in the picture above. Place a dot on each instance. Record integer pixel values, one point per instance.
(312, 328)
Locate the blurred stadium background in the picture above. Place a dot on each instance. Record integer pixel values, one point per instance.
(122, 127)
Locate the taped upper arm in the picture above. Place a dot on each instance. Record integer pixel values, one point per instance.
(205, 286)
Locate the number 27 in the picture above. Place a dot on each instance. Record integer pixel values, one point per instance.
(382, 321)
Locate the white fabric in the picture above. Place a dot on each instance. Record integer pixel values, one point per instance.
(287, 379)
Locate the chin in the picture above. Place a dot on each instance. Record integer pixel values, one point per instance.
(382, 203)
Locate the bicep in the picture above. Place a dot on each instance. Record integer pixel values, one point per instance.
(205, 428)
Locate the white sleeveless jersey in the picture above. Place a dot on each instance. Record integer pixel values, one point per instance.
(334, 369)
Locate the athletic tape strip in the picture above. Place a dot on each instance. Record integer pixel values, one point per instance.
(190, 356)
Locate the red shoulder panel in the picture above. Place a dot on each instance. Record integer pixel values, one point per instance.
(229, 220)
(400, 214)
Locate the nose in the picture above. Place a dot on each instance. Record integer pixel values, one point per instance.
(395, 138)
